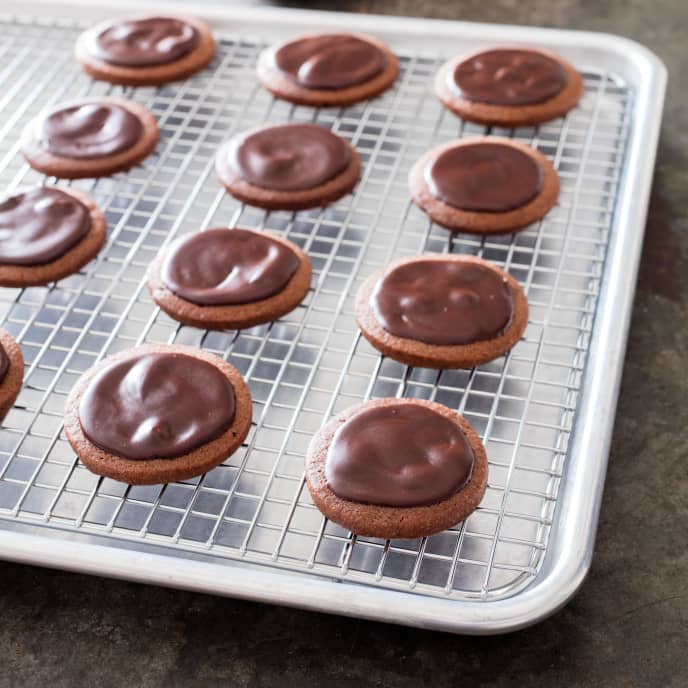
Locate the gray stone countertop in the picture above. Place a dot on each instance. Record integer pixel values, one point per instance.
(628, 626)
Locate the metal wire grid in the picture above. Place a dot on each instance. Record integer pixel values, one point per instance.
(312, 363)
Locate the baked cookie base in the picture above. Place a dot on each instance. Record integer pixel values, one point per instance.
(283, 87)
(12, 382)
(416, 353)
(234, 317)
(388, 522)
(474, 222)
(509, 116)
(269, 199)
(73, 168)
(68, 263)
(153, 75)
(157, 471)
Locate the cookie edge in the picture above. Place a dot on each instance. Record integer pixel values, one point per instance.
(14, 378)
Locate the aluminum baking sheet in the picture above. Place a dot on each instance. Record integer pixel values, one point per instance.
(248, 528)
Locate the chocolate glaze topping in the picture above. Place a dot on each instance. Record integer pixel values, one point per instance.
(330, 61)
(484, 177)
(156, 405)
(398, 455)
(144, 42)
(228, 266)
(40, 225)
(509, 77)
(4, 363)
(288, 157)
(442, 302)
(86, 130)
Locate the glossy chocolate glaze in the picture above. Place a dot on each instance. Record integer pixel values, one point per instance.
(87, 130)
(144, 42)
(156, 405)
(509, 77)
(288, 157)
(40, 225)
(442, 302)
(330, 61)
(484, 177)
(4, 363)
(227, 266)
(401, 455)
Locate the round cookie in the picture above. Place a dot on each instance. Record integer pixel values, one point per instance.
(20, 209)
(509, 87)
(288, 167)
(12, 367)
(486, 179)
(208, 265)
(119, 50)
(388, 520)
(90, 137)
(144, 471)
(426, 354)
(324, 70)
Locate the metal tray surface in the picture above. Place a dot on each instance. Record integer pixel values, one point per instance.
(248, 528)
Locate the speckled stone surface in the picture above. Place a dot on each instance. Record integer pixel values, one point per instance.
(628, 626)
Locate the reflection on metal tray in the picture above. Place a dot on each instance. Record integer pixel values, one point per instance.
(248, 528)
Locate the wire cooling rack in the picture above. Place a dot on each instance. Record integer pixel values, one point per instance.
(312, 363)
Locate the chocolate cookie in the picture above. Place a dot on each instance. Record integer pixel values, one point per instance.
(442, 311)
(91, 137)
(328, 69)
(142, 51)
(484, 185)
(47, 233)
(509, 87)
(11, 371)
(288, 167)
(229, 278)
(157, 413)
(397, 468)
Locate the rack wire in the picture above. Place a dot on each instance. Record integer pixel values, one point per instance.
(313, 362)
